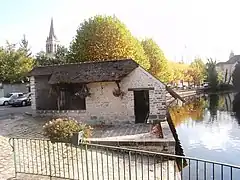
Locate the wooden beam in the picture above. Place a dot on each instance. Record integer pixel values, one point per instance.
(140, 89)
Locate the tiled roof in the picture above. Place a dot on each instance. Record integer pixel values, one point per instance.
(86, 72)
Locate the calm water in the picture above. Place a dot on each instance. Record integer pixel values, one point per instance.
(209, 128)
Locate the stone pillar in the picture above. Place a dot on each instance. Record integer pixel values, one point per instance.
(33, 91)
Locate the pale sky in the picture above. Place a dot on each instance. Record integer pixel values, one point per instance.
(188, 28)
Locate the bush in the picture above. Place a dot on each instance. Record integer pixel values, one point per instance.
(62, 130)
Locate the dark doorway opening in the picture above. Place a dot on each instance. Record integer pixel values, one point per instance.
(141, 106)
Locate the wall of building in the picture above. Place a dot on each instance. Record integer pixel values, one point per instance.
(9, 88)
(103, 106)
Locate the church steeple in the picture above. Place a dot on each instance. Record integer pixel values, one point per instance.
(51, 32)
(52, 42)
(231, 54)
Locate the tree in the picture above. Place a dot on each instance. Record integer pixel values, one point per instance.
(14, 64)
(104, 37)
(24, 46)
(198, 71)
(156, 58)
(212, 75)
(236, 77)
(60, 57)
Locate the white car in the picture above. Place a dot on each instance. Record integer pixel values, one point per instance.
(10, 96)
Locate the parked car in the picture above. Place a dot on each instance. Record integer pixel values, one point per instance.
(24, 100)
(9, 97)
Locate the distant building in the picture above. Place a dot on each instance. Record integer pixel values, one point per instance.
(227, 68)
(52, 43)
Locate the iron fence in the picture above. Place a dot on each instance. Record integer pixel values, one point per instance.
(100, 162)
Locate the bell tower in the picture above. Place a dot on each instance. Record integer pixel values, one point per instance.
(52, 42)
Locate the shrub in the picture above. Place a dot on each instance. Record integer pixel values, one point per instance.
(62, 130)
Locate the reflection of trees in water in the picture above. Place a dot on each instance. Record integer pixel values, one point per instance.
(236, 107)
(193, 110)
(213, 105)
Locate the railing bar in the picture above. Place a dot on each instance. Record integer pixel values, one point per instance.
(129, 162)
(154, 167)
(167, 169)
(97, 163)
(182, 168)
(31, 151)
(136, 175)
(118, 165)
(72, 161)
(189, 169)
(124, 166)
(76, 149)
(213, 171)
(148, 167)
(197, 170)
(36, 154)
(113, 166)
(19, 157)
(174, 170)
(221, 172)
(45, 156)
(40, 151)
(64, 174)
(161, 168)
(59, 164)
(27, 155)
(102, 164)
(68, 165)
(107, 165)
(142, 164)
(14, 154)
(92, 163)
(82, 163)
(231, 175)
(49, 159)
(54, 159)
(205, 171)
(86, 154)
(23, 156)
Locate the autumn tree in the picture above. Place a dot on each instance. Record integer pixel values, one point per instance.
(105, 37)
(198, 71)
(158, 62)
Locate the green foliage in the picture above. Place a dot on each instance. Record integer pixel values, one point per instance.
(15, 63)
(236, 77)
(60, 57)
(104, 37)
(158, 62)
(198, 71)
(62, 130)
(212, 74)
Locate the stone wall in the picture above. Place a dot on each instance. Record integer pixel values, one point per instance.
(103, 106)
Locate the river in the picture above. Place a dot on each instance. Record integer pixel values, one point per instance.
(209, 128)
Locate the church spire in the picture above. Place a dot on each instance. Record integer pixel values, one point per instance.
(52, 35)
(52, 42)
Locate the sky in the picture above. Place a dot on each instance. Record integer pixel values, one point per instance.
(183, 29)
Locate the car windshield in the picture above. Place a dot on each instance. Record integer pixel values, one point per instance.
(8, 95)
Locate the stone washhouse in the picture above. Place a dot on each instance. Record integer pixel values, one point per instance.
(110, 92)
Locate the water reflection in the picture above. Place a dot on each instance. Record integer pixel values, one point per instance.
(207, 128)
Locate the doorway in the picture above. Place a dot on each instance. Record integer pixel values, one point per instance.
(141, 106)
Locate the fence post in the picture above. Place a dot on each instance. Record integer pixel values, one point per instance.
(86, 161)
(14, 155)
(49, 161)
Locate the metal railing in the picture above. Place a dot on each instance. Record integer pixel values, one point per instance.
(100, 162)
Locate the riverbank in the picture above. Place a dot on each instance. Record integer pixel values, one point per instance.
(182, 94)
